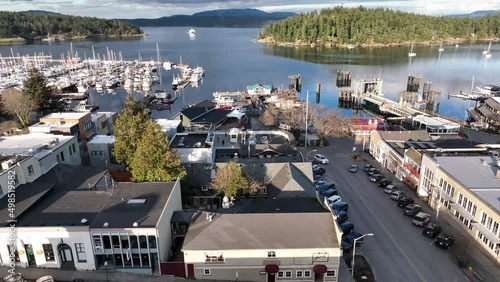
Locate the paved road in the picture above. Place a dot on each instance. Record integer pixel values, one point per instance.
(398, 251)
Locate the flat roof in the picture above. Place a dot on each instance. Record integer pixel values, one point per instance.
(102, 139)
(21, 144)
(14, 158)
(167, 124)
(269, 231)
(435, 121)
(190, 140)
(478, 174)
(65, 115)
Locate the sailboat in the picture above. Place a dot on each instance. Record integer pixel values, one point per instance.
(441, 49)
(411, 53)
(487, 52)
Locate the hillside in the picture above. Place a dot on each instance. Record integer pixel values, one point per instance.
(478, 14)
(34, 25)
(216, 18)
(362, 26)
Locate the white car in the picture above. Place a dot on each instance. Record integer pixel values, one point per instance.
(321, 159)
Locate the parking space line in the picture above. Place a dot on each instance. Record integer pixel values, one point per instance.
(432, 242)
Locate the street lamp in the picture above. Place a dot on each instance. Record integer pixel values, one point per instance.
(354, 252)
(307, 155)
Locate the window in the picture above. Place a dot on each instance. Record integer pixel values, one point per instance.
(330, 273)
(30, 170)
(98, 243)
(214, 257)
(49, 252)
(136, 260)
(483, 218)
(307, 273)
(152, 241)
(204, 188)
(271, 254)
(124, 239)
(13, 249)
(133, 242)
(206, 272)
(62, 156)
(107, 241)
(119, 260)
(288, 274)
(299, 274)
(115, 240)
(93, 153)
(87, 125)
(80, 252)
(143, 242)
(145, 259)
(281, 274)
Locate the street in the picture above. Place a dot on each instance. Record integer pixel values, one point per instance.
(397, 251)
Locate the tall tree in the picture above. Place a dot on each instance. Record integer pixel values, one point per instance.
(19, 104)
(230, 180)
(329, 122)
(36, 87)
(153, 159)
(128, 130)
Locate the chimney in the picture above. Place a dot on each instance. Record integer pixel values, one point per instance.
(498, 174)
(211, 217)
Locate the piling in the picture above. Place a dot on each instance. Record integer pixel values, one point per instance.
(318, 92)
(344, 78)
(413, 83)
(295, 82)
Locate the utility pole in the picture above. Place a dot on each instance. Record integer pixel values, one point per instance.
(307, 115)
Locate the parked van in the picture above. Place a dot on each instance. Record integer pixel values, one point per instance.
(421, 219)
(340, 206)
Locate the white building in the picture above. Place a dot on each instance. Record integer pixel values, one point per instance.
(100, 150)
(169, 127)
(259, 89)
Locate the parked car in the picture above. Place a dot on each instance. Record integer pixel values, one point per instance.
(326, 186)
(372, 171)
(347, 227)
(317, 177)
(318, 183)
(421, 219)
(390, 188)
(376, 177)
(353, 168)
(329, 193)
(412, 210)
(342, 217)
(340, 206)
(318, 171)
(444, 240)
(366, 167)
(333, 199)
(321, 159)
(403, 202)
(314, 161)
(397, 195)
(431, 230)
(348, 240)
(384, 182)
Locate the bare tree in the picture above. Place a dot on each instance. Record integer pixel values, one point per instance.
(16, 103)
(269, 117)
(329, 122)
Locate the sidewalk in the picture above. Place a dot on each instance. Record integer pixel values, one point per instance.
(480, 266)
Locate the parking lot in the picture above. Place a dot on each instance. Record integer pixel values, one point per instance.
(397, 251)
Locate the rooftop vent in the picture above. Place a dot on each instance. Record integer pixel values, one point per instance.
(136, 201)
(105, 224)
(135, 224)
(181, 142)
(84, 221)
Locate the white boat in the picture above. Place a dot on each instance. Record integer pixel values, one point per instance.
(167, 65)
(192, 32)
(487, 55)
(162, 94)
(199, 70)
(195, 77)
(98, 86)
(441, 49)
(81, 88)
(411, 53)
(488, 90)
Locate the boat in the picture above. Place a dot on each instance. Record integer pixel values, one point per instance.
(199, 70)
(167, 65)
(162, 94)
(441, 49)
(487, 53)
(411, 53)
(192, 32)
(488, 90)
(179, 82)
(195, 77)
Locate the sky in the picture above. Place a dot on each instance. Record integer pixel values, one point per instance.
(159, 8)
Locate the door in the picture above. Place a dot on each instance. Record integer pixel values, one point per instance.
(271, 277)
(30, 255)
(66, 256)
(190, 272)
(318, 277)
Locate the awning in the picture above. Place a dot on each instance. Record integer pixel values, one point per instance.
(272, 268)
(446, 197)
(486, 233)
(462, 211)
(320, 268)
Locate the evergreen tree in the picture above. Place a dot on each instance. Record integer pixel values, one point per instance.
(128, 130)
(35, 86)
(153, 159)
(230, 180)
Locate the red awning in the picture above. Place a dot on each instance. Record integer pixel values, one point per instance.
(320, 268)
(272, 268)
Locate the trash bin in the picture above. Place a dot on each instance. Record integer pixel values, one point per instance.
(462, 262)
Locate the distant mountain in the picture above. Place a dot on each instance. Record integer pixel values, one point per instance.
(217, 18)
(478, 14)
(39, 12)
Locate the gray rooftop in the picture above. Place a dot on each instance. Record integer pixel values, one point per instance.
(415, 135)
(261, 231)
(476, 173)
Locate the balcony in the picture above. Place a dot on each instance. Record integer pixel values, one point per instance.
(413, 170)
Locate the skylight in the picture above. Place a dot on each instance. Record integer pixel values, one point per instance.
(136, 201)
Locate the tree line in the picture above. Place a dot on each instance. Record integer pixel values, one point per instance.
(341, 26)
(32, 26)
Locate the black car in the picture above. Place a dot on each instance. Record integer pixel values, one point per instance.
(403, 202)
(346, 227)
(372, 171)
(317, 177)
(342, 217)
(367, 167)
(326, 186)
(384, 182)
(318, 171)
(444, 240)
(376, 177)
(431, 230)
(412, 210)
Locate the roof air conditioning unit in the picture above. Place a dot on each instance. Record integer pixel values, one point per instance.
(7, 164)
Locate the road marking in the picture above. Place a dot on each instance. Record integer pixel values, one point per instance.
(431, 243)
(391, 237)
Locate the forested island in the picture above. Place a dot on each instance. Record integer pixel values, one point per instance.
(32, 26)
(370, 27)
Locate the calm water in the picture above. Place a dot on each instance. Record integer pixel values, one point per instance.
(232, 61)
